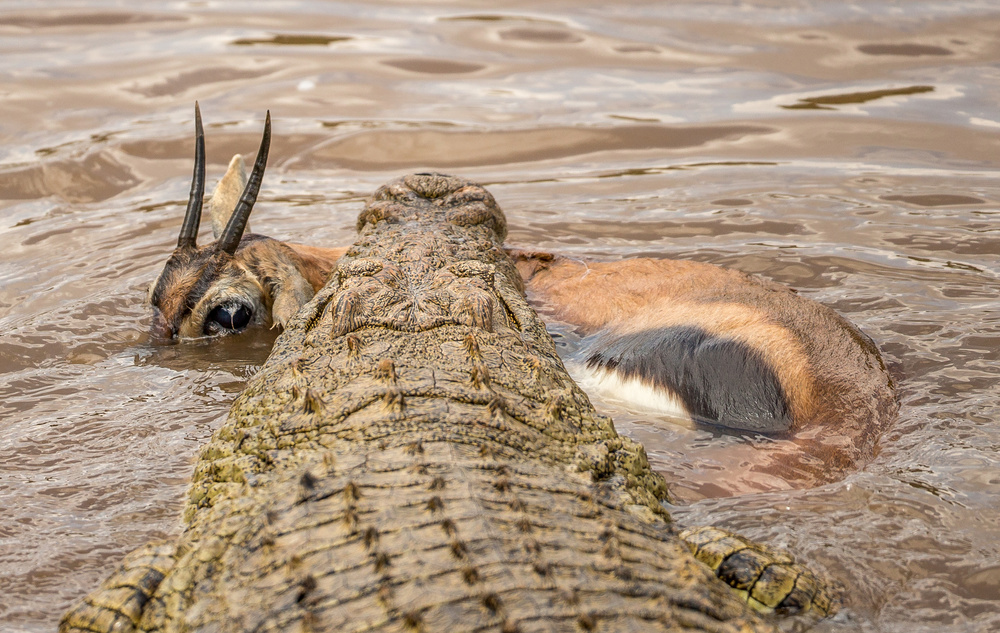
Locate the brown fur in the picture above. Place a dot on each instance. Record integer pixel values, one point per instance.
(315, 263)
(840, 394)
(271, 278)
(634, 295)
(168, 295)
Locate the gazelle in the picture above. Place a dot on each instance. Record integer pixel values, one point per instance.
(242, 279)
(684, 338)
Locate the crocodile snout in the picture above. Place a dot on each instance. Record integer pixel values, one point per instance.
(434, 186)
(432, 197)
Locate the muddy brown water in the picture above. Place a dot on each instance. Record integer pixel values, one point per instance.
(850, 150)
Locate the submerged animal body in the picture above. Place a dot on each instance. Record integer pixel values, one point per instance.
(688, 339)
(414, 456)
(729, 350)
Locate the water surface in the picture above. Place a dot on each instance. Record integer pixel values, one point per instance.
(849, 150)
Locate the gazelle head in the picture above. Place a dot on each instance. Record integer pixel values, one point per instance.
(239, 281)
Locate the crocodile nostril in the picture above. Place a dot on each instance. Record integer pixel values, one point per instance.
(433, 196)
(433, 186)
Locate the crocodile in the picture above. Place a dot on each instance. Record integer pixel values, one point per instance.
(414, 456)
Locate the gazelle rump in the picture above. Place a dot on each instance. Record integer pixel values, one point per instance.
(684, 338)
(698, 333)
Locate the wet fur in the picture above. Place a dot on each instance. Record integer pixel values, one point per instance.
(816, 358)
(272, 278)
(714, 379)
(728, 348)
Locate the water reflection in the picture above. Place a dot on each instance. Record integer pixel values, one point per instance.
(827, 101)
(240, 356)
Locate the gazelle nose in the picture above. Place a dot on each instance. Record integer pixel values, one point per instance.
(160, 329)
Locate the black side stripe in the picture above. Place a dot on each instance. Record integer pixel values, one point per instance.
(719, 381)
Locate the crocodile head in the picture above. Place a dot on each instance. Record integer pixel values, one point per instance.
(429, 253)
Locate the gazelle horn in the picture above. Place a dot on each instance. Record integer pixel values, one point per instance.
(233, 232)
(192, 217)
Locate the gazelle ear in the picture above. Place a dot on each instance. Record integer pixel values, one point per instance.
(290, 294)
(227, 195)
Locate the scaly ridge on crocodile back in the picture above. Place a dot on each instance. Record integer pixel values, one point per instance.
(414, 457)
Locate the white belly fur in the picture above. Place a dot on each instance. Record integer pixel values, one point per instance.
(633, 393)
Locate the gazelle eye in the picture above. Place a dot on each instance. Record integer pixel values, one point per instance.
(230, 317)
